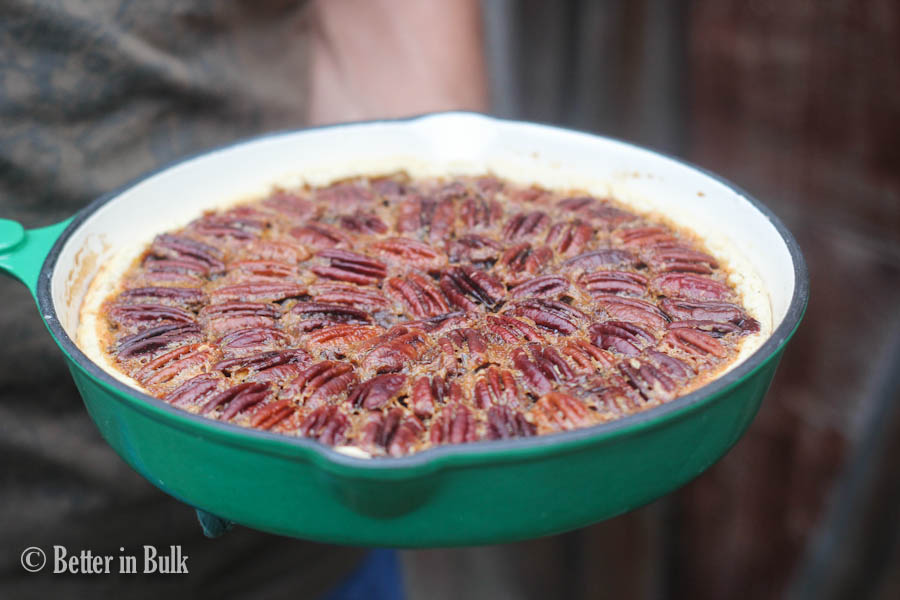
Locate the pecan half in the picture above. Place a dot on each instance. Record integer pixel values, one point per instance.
(468, 338)
(612, 396)
(713, 328)
(569, 238)
(262, 361)
(291, 205)
(256, 269)
(279, 252)
(315, 315)
(427, 393)
(548, 286)
(523, 225)
(409, 216)
(221, 319)
(632, 310)
(720, 312)
(478, 212)
(468, 288)
(175, 271)
(504, 423)
(576, 203)
(267, 291)
(351, 295)
(363, 222)
(676, 369)
(488, 186)
(247, 398)
(327, 424)
(320, 382)
(462, 348)
(389, 189)
(376, 392)
(419, 295)
(278, 374)
(521, 261)
(598, 212)
(497, 387)
(252, 339)
(649, 381)
(450, 190)
(454, 425)
(442, 220)
(351, 267)
(557, 411)
(180, 247)
(397, 432)
(671, 258)
(320, 236)
(271, 414)
(441, 323)
(613, 282)
(624, 338)
(228, 225)
(339, 338)
(156, 338)
(145, 314)
(236, 399)
(646, 236)
(529, 195)
(551, 315)
(586, 358)
(195, 391)
(690, 287)
(411, 253)
(179, 296)
(695, 343)
(603, 257)
(510, 330)
(345, 195)
(395, 349)
(239, 309)
(473, 248)
(543, 369)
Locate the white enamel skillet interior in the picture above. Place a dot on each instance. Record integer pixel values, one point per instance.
(111, 231)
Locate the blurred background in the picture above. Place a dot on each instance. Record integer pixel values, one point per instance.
(799, 103)
(796, 101)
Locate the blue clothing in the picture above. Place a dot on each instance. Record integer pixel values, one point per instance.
(379, 577)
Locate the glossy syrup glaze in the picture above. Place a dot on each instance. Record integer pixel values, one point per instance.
(388, 315)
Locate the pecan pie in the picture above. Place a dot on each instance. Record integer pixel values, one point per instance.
(388, 315)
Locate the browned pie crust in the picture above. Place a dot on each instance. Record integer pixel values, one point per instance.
(392, 315)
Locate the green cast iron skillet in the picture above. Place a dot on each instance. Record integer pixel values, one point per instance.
(485, 492)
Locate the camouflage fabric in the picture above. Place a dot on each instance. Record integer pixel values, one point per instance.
(92, 95)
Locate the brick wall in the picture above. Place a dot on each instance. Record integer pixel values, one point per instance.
(798, 102)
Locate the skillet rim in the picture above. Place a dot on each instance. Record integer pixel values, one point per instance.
(452, 454)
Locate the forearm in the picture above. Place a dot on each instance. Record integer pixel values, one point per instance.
(391, 58)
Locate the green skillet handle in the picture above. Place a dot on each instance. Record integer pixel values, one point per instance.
(22, 252)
